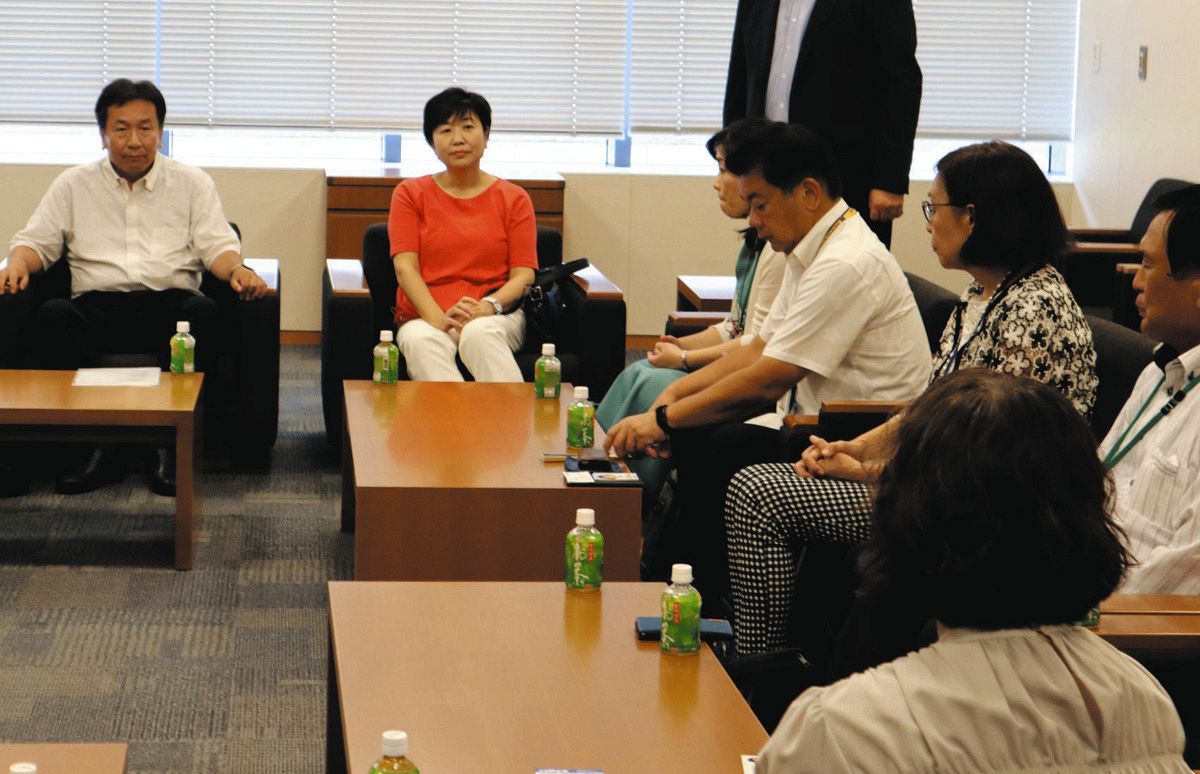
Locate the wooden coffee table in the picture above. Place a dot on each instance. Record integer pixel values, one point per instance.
(43, 406)
(66, 758)
(445, 481)
(511, 677)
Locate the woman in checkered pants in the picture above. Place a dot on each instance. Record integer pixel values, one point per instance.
(991, 212)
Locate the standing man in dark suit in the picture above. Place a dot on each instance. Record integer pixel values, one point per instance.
(846, 69)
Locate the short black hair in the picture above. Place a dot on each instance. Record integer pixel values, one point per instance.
(455, 103)
(123, 90)
(784, 154)
(995, 510)
(1017, 219)
(733, 135)
(1183, 228)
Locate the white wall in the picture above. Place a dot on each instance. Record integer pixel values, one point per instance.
(1130, 132)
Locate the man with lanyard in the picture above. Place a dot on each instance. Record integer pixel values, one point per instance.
(1153, 448)
(137, 229)
(844, 325)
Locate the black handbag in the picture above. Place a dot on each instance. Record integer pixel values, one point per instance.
(543, 304)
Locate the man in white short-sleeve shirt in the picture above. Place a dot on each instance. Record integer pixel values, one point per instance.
(843, 326)
(137, 230)
(1155, 456)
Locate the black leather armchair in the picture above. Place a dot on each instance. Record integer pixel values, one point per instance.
(358, 300)
(242, 418)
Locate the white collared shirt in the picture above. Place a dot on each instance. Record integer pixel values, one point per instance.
(789, 34)
(159, 235)
(845, 314)
(1158, 482)
(1056, 698)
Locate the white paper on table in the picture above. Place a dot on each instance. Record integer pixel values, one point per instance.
(147, 376)
(748, 764)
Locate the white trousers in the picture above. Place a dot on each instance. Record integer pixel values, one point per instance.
(486, 346)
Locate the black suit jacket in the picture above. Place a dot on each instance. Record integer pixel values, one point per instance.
(857, 83)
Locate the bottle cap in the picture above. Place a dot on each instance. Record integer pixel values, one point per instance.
(385, 335)
(23, 767)
(395, 743)
(681, 573)
(581, 393)
(183, 326)
(547, 348)
(585, 517)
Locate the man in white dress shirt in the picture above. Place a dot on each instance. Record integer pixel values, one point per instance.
(1153, 447)
(843, 325)
(137, 231)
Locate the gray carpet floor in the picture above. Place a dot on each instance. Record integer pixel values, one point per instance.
(220, 669)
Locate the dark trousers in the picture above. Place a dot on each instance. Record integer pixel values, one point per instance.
(856, 189)
(706, 459)
(78, 332)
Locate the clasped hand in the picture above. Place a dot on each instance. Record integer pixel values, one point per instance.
(839, 459)
(637, 435)
(666, 353)
(464, 311)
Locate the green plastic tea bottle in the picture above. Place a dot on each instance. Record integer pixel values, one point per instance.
(395, 755)
(680, 613)
(581, 421)
(387, 360)
(183, 349)
(585, 553)
(547, 373)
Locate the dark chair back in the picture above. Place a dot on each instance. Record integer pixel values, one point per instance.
(935, 303)
(1121, 355)
(380, 274)
(1147, 210)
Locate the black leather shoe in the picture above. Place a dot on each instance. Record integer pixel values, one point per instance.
(161, 477)
(98, 469)
(13, 482)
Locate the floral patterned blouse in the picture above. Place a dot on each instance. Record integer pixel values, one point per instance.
(1035, 329)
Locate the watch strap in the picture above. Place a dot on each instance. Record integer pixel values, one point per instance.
(660, 416)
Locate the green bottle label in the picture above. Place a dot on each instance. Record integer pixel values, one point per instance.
(680, 620)
(547, 377)
(581, 425)
(585, 559)
(385, 370)
(394, 371)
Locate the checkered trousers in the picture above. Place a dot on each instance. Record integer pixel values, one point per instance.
(769, 512)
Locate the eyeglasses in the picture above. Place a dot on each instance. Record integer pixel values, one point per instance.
(927, 207)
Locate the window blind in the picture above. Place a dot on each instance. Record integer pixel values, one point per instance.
(1003, 68)
(680, 60)
(993, 68)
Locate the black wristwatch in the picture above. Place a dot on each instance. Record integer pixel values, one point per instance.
(660, 416)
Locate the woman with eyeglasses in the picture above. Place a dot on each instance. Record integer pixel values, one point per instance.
(991, 212)
(978, 521)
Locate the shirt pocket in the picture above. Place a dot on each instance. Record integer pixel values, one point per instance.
(1158, 490)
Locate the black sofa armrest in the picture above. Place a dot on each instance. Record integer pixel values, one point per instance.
(250, 418)
(599, 328)
(347, 338)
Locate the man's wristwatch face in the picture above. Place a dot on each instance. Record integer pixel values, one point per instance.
(499, 307)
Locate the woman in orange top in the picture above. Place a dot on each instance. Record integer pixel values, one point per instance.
(464, 244)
